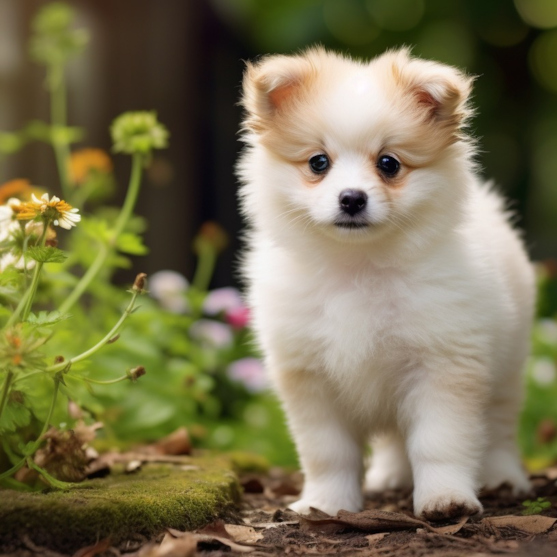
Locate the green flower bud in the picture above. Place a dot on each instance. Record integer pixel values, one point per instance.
(138, 132)
(54, 41)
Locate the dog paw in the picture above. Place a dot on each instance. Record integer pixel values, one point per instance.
(506, 468)
(304, 506)
(450, 505)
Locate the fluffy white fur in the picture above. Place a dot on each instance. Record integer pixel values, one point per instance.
(412, 331)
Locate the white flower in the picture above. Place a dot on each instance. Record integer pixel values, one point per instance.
(9, 259)
(169, 288)
(212, 332)
(61, 213)
(543, 371)
(8, 219)
(547, 331)
(250, 372)
(222, 299)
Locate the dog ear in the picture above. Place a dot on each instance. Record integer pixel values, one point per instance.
(273, 84)
(439, 91)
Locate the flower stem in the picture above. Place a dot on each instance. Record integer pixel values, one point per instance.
(6, 390)
(21, 377)
(100, 344)
(105, 250)
(206, 260)
(37, 442)
(58, 119)
(96, 382)
(26, 301)
(36, 275)
(131, 197)
(58, 484)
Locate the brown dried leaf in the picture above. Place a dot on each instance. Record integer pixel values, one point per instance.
(367, 521)
(374, 538)
(534, 524)
(183, 546)
(93, 550)
(215, 528)
(451, 528)
(216, 532)
(243, 534)
(177, 443)
(372, 521)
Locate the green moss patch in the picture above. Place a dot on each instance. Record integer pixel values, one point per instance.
(121, 506)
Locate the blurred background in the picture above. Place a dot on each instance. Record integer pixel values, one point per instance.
(185, 60)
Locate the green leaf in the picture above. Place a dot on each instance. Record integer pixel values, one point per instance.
(45, 318)
(11, 142)
(63, 135)
(132, 244)
(15, 416)
(9, 276)
(46, 254)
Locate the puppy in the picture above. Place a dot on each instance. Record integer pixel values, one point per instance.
(391, 297)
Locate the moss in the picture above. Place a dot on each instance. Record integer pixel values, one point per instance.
(248, 462)
(121, 506)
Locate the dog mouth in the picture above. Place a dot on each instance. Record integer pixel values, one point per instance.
(351, 225)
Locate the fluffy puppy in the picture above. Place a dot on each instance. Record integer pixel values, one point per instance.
(390, 295)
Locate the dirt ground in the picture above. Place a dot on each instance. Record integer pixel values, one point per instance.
(386, 528)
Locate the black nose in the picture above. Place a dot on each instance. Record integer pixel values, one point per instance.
(352, 201)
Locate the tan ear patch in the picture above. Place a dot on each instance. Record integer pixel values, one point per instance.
(279, 96)
(426, 101)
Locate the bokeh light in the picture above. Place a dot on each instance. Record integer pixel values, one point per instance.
(396, 15)
(446, 41)
(538, 13)
(543, 59)
(349, 22)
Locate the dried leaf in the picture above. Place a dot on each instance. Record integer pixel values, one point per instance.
(177, 443)
(183, 546)
(372, 521)
(533, 524)
(367, 521)
(374, 538)
(214, 533)
(243, 534)
(93, 550)
(451, 528)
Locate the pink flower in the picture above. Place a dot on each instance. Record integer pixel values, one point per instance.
(238, 317)
(250, 372)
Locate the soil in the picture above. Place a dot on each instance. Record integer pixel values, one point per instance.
(263, 526)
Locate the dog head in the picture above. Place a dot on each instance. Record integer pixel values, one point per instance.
(353, 149)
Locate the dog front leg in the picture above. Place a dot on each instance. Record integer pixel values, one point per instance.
(443, 418)
(329, 450)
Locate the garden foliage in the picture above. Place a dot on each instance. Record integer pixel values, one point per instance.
(66, 359)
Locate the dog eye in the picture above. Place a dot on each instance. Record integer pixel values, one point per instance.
(319, 163)
(388, 165)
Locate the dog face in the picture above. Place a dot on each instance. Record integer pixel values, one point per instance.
(356, 148)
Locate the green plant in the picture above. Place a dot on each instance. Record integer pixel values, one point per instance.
(203, 371)
(34, 393)
(535, 507)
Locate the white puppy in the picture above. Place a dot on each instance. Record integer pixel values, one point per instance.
(391, 297)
